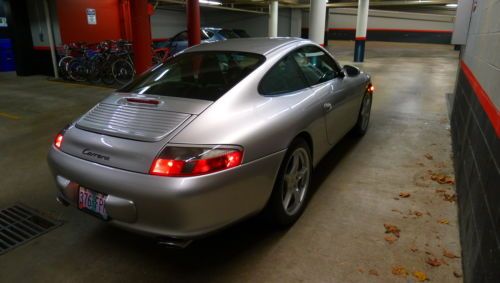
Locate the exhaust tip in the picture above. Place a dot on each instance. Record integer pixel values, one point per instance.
(173, 242)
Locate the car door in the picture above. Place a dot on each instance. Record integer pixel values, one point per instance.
(325, 76)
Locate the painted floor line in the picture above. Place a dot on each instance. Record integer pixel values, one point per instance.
(9, 116)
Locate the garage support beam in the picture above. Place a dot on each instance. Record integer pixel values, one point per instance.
(273, 19)
(361, 26)
(141, 35)
(193, 22)
(317, 16)
(50, 34)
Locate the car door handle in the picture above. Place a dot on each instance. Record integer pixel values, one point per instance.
(327, 106)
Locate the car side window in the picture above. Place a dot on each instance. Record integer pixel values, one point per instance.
(315, 64)
(283, 77)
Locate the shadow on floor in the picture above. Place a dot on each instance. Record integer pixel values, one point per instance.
(224, 247)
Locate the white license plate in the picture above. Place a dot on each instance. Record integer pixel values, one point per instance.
(93, 202)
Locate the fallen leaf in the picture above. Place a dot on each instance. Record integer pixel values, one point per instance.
(429, 253)
(418, 213)
(421, 164)
(404, 194)
(392, 229)
(361, 270)
(441, 178)
(396, 210)
(450, 197)
(399, 271)
(449, 254)
(456, 274)
(373, 272)
(390, 239)
(432, 261)
(413, 249)
(420, 276)
(428, 156)
(396, 198)
(443, 221)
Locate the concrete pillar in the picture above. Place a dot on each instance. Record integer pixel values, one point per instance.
(141, 35)
(296, 23)
(273, 19)
(193, 22)
(317, 14)
(361, 25)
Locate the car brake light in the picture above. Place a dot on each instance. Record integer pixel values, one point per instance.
(189, 161)
(58, 140)
(371, 88)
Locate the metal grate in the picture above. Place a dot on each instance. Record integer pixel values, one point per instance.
(129, 121)
(20, 224)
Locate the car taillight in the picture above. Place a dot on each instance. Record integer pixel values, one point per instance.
(60, 137)
(371, 88)
(58, 140)
(193, 161)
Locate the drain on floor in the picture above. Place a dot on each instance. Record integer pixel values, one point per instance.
(20, 224)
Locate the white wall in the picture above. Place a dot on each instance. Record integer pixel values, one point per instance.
(167, 23)
(482, 50)
(377, 19)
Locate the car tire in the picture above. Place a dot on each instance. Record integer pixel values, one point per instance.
(290, 193)
(363, 122)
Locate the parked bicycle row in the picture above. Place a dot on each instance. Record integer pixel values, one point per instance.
(109, 62)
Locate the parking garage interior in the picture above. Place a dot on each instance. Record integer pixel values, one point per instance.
(416, 199)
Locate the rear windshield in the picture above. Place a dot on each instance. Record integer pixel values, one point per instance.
(197, 75)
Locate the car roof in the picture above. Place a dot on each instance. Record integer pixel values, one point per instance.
(259, 45)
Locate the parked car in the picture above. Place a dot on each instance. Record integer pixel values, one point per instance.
(179, 41)
(220, 132)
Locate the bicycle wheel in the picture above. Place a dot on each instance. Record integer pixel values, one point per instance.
(77, 70)
(63, 66)
(123, 71)
(107, 74)
(95, 68)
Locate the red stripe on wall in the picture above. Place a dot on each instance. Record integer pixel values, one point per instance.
(360, 38)
(396, 30)
(491, 110)
(41, 48)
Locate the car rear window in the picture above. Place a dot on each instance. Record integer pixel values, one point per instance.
(197, 75)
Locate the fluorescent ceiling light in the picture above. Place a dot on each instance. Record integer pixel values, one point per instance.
(209, 2)
(451, 5)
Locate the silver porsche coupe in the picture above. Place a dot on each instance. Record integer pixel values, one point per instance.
(219, 132)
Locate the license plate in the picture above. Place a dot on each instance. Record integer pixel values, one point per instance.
(92, 202)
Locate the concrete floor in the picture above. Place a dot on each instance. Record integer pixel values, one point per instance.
(340, 237)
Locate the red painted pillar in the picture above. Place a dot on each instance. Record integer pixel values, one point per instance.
(193, 22)
(141, 35)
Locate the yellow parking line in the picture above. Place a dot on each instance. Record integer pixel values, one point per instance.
(9, 116)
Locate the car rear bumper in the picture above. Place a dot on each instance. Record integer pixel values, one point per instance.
(167, 206)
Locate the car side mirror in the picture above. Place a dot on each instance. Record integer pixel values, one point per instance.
(351, 71)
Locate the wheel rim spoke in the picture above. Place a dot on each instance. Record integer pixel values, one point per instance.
(296, 181)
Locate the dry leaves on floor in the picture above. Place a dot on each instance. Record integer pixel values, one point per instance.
(404, 194)
(420, 276)
(399, 270)
(441, 178)
(428, 156)
(456, 274)
(449, 254)
(373, 272)
(392, 229)
(390, 239)
(432, 261)
(443, 221)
